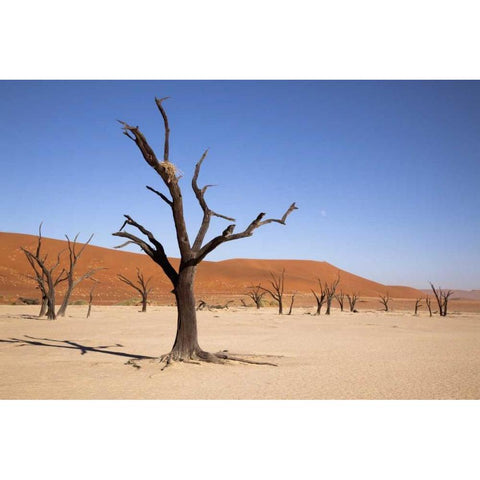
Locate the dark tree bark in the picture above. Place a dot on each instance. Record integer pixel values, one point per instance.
(43, 306)
(45, 276)
(72, 282)
(417, 305)
(384, 300)
(142, 286)
(276, 291)
(330, 291)
(442, 297)
(291, 305)
(90, 299)
(320, 297)
(428, 301)
(340, 299)
(352, 300)
(185, 347)
(256, 294)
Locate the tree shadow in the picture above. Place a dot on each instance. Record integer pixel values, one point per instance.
(40, 342)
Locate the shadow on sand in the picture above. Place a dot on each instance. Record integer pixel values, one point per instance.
(41, 342)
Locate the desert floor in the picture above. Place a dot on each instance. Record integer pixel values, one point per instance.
(366, 355)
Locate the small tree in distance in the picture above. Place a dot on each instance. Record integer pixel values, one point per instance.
(256, 294)
(320, 297)
(291, 304)
(352, 300)
(185, 346)
(72, 282)
(331, 289)
(384, 300)
(45, 276)
(90, 297)
(278, 287)
(428, 301)
(340, 299)
(417, 305)
(442, 297)
(142, 286)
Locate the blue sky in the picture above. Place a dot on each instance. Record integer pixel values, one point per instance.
(385, 173)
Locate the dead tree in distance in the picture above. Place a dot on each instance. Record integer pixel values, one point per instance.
(142, 286)
(291, 305)
(417, 305)
(384, 300)
(442, 297)
(185, 347)
(72, 282)
(45, 276)
(331, 289)
(352, 300)
(39, 276)
(340, 299)
(428, 301)
(256, 293)
(90, 297)
(320, 297)
(278, 287)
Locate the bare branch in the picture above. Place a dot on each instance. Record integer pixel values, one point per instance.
(215, 242)
(207, 212)
(142, 144)
(159, 101)
(148, 249)
(161, 195)
(156, 252)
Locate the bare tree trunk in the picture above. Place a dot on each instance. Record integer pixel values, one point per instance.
(63, 307)
(428, 301)
(144, 304)
(291, 305)
(341, 300)
(417, 305)
(186, 342)
(352, 300)
(43, 307)
(51, 300)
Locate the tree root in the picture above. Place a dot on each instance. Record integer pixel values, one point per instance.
(200, 356)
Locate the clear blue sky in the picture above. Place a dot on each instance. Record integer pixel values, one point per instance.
(386, 174)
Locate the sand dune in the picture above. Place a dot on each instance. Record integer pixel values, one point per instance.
(214, 279)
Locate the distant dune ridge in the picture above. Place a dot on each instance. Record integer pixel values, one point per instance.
(228, 277)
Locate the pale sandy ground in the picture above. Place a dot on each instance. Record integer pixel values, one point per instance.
(369, 355)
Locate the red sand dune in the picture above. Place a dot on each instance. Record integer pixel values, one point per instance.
(214, 279)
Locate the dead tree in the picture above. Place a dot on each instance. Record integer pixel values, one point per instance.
(90, 298)
(417, 305)
(352, 300)
(142, 286)
(72, 282)
(278, 286)
(442, 297)
(291, 304)
(45, 276)
(428, 302)
(256, 294)
(320, 297)
(331, 289)
(384, 300)
(185, 346)
(340, 299)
